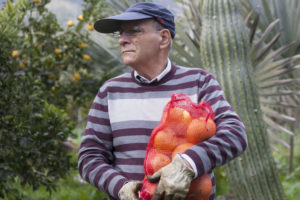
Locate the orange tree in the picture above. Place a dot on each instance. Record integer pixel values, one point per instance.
(42, 69)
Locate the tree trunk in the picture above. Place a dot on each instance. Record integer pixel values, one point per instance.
(225, 52)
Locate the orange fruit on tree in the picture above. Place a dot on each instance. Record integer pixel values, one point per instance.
(181, 149)
(76, 77)
(57, 51)
(200, 129)
(21, 65)
(90, 27)
(80, 17)
(82, 45)
(70, 23)
(86, 57)
(200, 188)
(165, 140)
(15, 53)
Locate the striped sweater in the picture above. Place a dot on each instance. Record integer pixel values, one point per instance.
(124, 113)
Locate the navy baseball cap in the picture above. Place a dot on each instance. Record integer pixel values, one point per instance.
(138, 11)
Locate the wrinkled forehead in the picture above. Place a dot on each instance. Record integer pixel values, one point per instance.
(141, 23)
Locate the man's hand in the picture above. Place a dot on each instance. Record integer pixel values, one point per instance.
(174, 180)
(129, 191)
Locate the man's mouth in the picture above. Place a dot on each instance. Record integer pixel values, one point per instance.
(127, 51)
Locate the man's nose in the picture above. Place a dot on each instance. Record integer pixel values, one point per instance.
(123, 39)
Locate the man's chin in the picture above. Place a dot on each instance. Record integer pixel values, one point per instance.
(128, 62)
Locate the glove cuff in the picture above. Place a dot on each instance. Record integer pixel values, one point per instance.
(183, 165)
(122, 188)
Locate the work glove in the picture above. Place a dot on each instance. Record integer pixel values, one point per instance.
(129, 191)
(174, 180)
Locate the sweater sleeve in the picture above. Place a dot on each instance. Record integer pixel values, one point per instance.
(95, 159)
(230, 139)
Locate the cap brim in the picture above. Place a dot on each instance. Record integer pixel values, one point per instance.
(112, 24)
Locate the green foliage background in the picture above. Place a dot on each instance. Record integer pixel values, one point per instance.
(46, 91)
(46, 74)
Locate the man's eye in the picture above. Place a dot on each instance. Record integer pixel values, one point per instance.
(130, 32)
(133, 31)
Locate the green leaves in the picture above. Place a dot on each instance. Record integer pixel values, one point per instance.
(35, 82)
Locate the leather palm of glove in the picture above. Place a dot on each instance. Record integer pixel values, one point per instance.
(174, 180)
(129, 191)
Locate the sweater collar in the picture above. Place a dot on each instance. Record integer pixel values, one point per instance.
(142, 79)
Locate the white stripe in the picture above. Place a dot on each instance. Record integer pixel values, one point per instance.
(129, 154)
(150, 109)
(98, 127)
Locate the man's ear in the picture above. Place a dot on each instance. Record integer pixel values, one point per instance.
(165, 38)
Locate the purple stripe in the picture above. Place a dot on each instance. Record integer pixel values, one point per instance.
(213, 180)
(230, 117)
(238, 135)
(207, 79)
(118, 187)
(133, 176)
(85, 161)
(100, 173)
(150, 89)
(131, 147)
(100, 135)
(208, 90)
(131, 132)
(97, 120)
(235, 123)
(216, 99)
(210, 154)
(130, 161)
(190, 72)
(232, 146)
(222, 109)
(108, 180)
(100, 107)
(91, 168)
(98, 149)
(219, 145)
(104, 152)
(212, 196)
(194, 156)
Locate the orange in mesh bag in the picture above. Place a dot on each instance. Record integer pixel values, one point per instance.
(182, 125)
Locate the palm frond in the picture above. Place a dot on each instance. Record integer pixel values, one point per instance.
(288, 13)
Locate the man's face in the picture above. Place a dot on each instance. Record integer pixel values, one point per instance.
(139, 42)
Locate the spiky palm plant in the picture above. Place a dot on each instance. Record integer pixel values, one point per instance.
(276, 88)
(225, 51)
(288, 13)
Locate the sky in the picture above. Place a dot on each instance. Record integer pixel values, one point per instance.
(70, 9)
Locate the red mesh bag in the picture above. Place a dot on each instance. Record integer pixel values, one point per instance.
(183, 124)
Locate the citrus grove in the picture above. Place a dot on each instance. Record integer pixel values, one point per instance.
(46, 74)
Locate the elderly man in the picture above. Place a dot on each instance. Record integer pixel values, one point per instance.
(128, 107)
